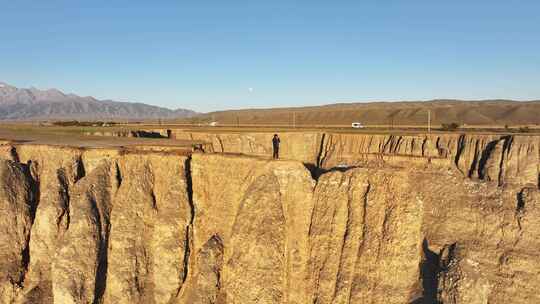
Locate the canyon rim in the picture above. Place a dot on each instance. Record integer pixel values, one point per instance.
(440, 218)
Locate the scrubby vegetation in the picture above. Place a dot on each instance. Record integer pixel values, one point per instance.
(524, 129)
(450, 126)
(75, 123)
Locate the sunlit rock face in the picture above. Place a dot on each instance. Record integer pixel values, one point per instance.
(422, 219)
(506, 159)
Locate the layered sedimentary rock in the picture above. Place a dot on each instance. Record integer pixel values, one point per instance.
(501, 158)
(17, 199)
(149, 223)
(262, 218)
(55, 175)
(366, 233)
(504, 159)
(113, 226)
(80, 258)
(85, 212)
(422, 237)
(482, 255)
(302, 146)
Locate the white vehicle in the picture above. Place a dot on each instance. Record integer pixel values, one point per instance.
(213, 124)
(357, 125)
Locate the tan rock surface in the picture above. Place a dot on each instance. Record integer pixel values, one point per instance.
(302, 146)
(80, 264)
(504, 158)
(18, 201)
(149, 224)
(56, 171)
(365, 237)
(261, 212)
(431, 221)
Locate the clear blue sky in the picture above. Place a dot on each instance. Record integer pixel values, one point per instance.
(206, 55)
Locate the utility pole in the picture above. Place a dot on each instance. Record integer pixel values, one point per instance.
(429, 121)
(294, 119)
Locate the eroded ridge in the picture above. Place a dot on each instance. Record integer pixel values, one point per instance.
(506, 159)
(111, 226)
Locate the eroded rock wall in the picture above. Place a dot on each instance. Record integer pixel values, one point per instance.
(88, 219)
(106, 226)
(503, 158)
(500, 158)
(365, 238)
(17, 209)
(301, 146)
(261, 218)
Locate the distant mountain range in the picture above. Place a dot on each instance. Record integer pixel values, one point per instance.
(33, 104)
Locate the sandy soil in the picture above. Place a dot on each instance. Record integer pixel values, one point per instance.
(72, 136)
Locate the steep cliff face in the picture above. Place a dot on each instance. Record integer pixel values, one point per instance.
(477, 241)
(501, 158)
(149, 223)
(260, 217)
(505, 159)
(401, 236)
(17, 198)
(302, 146)
(110, 226)
(87, 219)
(55, 175)
(365, 238)
(77, 270)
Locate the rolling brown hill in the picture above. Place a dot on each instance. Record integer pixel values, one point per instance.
(483, 113)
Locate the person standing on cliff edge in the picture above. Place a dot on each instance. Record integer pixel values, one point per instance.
(275, 145)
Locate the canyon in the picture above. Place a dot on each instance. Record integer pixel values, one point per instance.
(341, 218)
